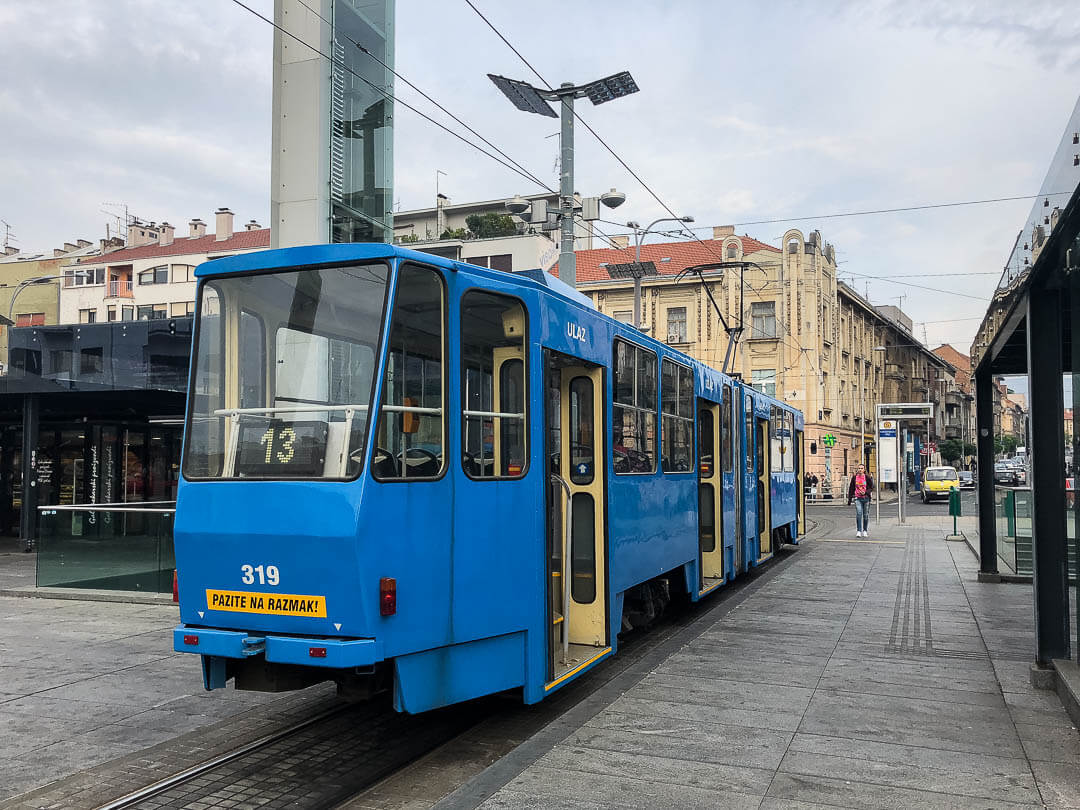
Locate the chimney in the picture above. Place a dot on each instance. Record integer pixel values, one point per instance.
(720, 231)
(620, 241)
(167, 231)
(10, 251)
(141, 233)
(198, 228)
(83, 243)
(68, 247)
(223, 227)
(58, 252)
(252, 226)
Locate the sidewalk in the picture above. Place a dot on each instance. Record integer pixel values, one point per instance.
(868, 673)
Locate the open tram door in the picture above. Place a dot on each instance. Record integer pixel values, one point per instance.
(764, 465)
(710, 498)
(800, 483)
(577, 541)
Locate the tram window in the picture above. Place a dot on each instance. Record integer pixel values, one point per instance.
(493, 386)
(751, 436)
(409, 439)
(583, 549)
(282, 373)
(776, 439)
(705, 443)
(725, 427)
(633, 423)
(789, 442)
(582, 441)
(677, 421)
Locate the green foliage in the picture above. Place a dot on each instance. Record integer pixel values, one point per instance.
(455, 233)
(951, 450)
(409, 238)
(491, 224)
(1005, 444)
(970, 449)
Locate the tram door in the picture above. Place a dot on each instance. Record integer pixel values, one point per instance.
(577, 547)
(710, 497)
(800, 483)
(763, 466)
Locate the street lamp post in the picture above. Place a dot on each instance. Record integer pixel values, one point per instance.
(535, 100)
(639, 237)
(29, 282)
(877, 437)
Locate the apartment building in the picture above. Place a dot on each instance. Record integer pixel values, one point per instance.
(808, 338)
(153, 275)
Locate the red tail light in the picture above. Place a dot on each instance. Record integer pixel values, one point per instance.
(175, 587)
(387, 596)
(192, 641)
(316, 652)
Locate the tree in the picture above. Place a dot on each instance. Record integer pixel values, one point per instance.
(491, 224)
(456, 233)
(408, 238)
(970, 449)
(1005, 444)
(951, 450)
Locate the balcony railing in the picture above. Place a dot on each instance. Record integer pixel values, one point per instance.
(113, 546)
(120, 288)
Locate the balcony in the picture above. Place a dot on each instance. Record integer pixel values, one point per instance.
(120, 288)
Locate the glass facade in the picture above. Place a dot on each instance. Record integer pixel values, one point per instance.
(361, 133)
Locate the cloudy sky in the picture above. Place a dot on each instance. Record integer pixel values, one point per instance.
(747, 112)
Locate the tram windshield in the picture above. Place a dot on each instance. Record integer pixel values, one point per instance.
(283, 373)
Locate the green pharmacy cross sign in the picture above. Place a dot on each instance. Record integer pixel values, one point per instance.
(829, 440)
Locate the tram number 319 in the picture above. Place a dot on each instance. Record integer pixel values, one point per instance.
(266, 575)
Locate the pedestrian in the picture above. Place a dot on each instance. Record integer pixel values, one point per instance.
(859, 490)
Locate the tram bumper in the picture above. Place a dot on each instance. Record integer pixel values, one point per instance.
(215, 646)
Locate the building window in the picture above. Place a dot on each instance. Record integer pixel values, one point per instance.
(183, 272)
(179, 309)
(79, 277)
(763, 319)
(127, 313)
(624, 315)
(90, 361)
(87, 316)
(30, 319)
(155, 275)
(764, 380)
(60, 361)
(676, 325)
(732, 252)
(150, 312)
(633, 424)
(110, 312)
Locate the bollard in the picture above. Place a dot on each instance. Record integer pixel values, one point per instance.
(954, 507)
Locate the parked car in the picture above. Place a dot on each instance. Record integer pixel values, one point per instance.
(967, 479)
(1005, 475)
(938, 482)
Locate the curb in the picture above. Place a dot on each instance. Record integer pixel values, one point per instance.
(75, 595)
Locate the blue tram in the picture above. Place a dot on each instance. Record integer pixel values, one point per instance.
(412, 474)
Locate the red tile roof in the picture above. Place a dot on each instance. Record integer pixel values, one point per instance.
(682, 255)
(240, 240)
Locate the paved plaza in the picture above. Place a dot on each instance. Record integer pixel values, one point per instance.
(852, 673)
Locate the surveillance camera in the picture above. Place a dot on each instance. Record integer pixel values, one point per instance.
(518, 205)
(613, 198)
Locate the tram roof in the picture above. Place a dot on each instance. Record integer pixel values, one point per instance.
(315, 255)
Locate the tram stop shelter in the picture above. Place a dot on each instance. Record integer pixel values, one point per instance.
(1032, 328)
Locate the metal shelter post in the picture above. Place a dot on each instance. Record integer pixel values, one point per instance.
(567, 257)
(984, 452)
(30, 427)
(1045, 362)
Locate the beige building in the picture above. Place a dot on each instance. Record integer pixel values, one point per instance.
(809, 339)
(153, 275)
(30, 287)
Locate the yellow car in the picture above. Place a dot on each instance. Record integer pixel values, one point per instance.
(938, 482)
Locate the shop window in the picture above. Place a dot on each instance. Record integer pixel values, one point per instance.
(633, 424)
(410, 435)
(676, 417)
(494, 416)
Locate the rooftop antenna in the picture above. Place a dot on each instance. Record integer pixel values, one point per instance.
(8, 236)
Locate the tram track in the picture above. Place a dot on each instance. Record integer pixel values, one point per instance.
(342, 754)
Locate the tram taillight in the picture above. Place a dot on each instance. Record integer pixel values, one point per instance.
(387, 596)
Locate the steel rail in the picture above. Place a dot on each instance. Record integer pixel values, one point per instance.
(132, 799)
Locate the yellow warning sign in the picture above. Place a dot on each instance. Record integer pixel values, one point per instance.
(277, 604)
